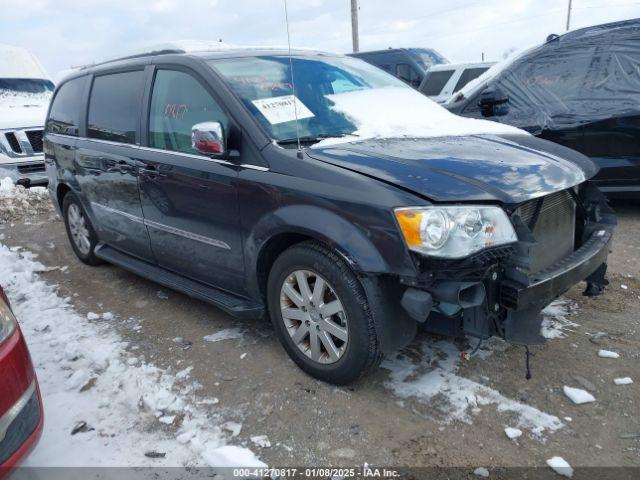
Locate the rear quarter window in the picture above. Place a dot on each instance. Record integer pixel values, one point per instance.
(65, 109)
(114, 106)
(435, 82)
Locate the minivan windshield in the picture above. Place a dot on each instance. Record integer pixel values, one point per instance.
(265, 86)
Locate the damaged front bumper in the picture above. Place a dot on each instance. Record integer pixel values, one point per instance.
(493, 294)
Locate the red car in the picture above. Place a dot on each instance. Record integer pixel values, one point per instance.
(20, 402)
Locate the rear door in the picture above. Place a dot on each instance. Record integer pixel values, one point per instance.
(107, 165)
(190, 200)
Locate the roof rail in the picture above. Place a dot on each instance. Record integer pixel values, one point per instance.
(149, 53)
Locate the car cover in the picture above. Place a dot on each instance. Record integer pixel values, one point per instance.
(583, 76)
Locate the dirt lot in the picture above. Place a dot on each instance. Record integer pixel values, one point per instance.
(387, 419)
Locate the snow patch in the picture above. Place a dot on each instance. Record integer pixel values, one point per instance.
(426, 372)
(608, 354)
(560, 466)
(623, 381)
(481, 472)
(555, 321)
(577, 395)
(17, 201)
(261, 441)
(513, 433)
(393, 112)
(226, 334)
(86, 378)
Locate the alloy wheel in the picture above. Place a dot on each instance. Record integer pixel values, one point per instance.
(314, 316)
(78, 228)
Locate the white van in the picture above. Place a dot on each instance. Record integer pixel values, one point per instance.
(442, 81)
(25, 92)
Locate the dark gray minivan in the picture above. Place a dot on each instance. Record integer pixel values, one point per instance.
(210, 173)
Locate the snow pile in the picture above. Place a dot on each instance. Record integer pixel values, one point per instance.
(577, 395)
(560, 466)
(392, 112)
(608, 354)
(432, 380)
(623, 381)
(226, 334)
(17, 201)
(555, 321)
(104, 407)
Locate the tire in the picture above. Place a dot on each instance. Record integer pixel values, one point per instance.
(71, 208)
(350, 359)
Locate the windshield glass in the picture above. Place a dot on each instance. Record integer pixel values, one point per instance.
(25, 85)
(428, 57)
(264, 85)
(339, 99)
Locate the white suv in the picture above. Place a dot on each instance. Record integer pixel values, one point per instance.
(25, 92)
(442, 81)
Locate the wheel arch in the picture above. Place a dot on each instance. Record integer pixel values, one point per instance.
(290, 225)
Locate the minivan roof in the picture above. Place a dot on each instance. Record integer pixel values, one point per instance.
(206, 49)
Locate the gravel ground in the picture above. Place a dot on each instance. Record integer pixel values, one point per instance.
(311, 423)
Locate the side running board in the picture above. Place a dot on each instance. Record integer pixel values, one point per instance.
(232, 304)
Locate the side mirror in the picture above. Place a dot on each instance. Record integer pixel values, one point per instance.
(208, 138)
(493, 103)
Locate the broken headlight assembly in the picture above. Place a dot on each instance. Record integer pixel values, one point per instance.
(454, 231)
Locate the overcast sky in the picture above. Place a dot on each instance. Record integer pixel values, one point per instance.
(63, 33)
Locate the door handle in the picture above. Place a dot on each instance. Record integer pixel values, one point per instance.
(122, 167)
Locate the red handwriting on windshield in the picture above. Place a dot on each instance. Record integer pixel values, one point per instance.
(175, 110)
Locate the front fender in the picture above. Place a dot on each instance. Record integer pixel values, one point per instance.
(353, 242)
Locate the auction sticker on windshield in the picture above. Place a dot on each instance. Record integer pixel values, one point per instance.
(282, 109)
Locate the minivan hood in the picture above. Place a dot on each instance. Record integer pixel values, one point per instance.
(508, 169)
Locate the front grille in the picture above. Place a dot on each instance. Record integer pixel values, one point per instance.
(554, 228)
(35, 139)
(13, 142)
(31, 168)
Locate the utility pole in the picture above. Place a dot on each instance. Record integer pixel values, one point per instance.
(354, 26)
(569, 16)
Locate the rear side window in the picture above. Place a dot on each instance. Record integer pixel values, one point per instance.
(436, 81)
(178, 102)
(468, 75)
(65, 110)
(114, 107)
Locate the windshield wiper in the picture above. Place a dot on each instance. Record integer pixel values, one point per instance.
(314, 138)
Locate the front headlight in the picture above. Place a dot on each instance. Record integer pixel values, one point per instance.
(454, 231)
(7, 321)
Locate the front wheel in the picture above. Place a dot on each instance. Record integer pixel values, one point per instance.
(321, 314)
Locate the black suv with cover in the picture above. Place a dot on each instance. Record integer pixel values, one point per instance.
(581, 90)
(324, 193)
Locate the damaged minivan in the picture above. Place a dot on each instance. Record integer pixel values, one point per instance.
(323, 193)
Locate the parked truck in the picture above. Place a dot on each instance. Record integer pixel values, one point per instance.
(25, 92)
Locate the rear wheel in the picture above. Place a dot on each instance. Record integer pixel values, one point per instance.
(321, 314)
(79, 229)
